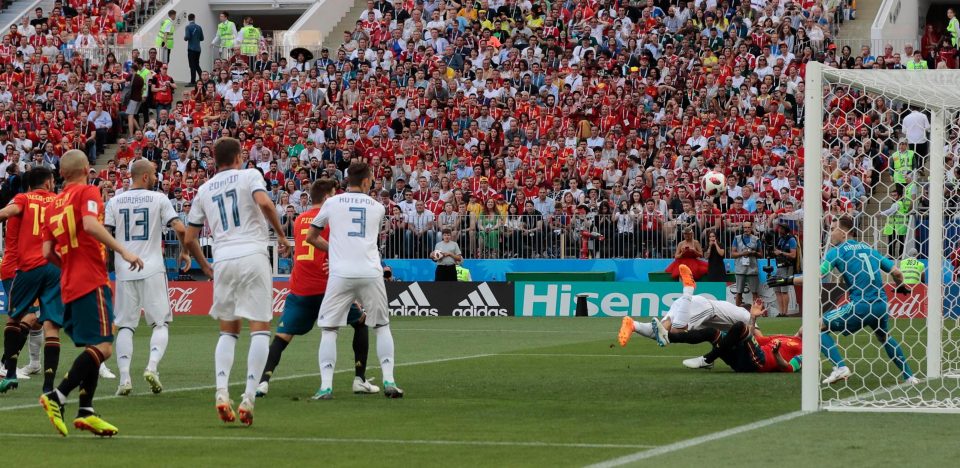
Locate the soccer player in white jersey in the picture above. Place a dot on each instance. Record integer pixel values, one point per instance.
(137, 217)
(692, 319)
(355, 274)
(235, 205)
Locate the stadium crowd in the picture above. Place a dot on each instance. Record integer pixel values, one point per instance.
(528, 128)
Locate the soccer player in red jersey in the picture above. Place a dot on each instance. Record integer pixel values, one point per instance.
(308, 282)
(744, 349)
(74, 238)
(36, 279)
(8, 270)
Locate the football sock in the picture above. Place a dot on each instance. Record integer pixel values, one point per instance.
(328, 357)
(88, 387)
(361, 348)
(645, 329)
(273, 359)
(124, 353)
(734, 337)
(34, 344)
(51, 360)
(226, 346)
(892, 347)
(385, 352)
(256, 359)
(158, 345)
(88, 361)
(829, 348)
(696, 336)
(14, 337)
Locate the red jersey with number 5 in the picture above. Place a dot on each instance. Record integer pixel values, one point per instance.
(84, 258)
(308, 277)
(33, 206)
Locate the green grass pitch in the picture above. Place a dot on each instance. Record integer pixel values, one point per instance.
(480, 392)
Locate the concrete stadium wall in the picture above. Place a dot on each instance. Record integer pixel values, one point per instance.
(898, 21)
(179, 68)
(315, 24)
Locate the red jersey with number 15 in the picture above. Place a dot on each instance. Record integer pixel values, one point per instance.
(33, 206)
(84, 258)
(308, 277)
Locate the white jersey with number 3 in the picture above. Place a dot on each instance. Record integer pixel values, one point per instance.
(138, 217)
(226, 204)
(354, 220)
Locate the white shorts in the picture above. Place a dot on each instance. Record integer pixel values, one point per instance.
(148, 294)
(698, 312)
(342, 292)
(243, 289)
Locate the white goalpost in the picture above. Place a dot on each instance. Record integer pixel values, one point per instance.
(853, 129)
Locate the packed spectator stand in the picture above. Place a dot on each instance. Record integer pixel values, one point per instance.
(574, 129)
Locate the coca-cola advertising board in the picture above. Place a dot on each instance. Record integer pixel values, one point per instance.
(196, 297)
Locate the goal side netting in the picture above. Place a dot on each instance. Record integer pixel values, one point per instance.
(880, 147)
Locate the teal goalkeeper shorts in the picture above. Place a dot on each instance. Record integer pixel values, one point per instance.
(300, 314)
(39, 284)
(88, 320)
(853, 317)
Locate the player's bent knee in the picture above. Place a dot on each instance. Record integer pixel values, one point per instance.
(105, 348)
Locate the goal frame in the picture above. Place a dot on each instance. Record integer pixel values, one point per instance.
(813, 211)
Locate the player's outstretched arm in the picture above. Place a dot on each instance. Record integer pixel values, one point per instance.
(191, 241)
(50, 254)
(183, 263)
(92, 226)
(270, 213)
(10, 211)
(316, 240)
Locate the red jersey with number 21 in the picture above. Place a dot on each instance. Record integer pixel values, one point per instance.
(308, 277)
(84, 258)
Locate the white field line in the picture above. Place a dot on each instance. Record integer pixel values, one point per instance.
(335, 440)
(688, 443)
(276, 379)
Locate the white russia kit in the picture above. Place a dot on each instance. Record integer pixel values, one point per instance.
(138, 217)
(242, 285)
(698, 312)
(355, 271)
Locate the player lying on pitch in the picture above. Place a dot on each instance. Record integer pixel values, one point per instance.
(691, 319)
(745, 349)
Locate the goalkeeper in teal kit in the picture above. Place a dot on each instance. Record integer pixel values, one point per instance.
(861, 267)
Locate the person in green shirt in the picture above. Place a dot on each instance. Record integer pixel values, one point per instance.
(913, 269)
(953, 27)
(164, 40)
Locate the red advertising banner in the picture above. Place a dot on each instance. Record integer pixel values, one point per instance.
(912, 305)
(196, 297)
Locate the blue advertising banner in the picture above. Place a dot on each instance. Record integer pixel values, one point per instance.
(615, 299)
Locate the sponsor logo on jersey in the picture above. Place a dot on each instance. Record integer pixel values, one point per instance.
(480, 303)
(412, 302)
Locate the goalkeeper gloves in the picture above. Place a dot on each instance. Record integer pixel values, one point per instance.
(903, 289)
(778, 282)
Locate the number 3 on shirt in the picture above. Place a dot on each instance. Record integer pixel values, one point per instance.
(360, 220)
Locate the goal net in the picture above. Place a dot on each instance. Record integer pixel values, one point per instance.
(882, 145)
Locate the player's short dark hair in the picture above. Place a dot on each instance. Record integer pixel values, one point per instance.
(846, 223)
(191, 17)
(38, 176)
(358, 172)
(226, 151)
(321, 188)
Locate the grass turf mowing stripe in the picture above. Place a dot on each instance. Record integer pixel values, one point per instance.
(332, 440)
(275, 379)
(685, 444)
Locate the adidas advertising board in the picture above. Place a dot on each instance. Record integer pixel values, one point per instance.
(450, 299)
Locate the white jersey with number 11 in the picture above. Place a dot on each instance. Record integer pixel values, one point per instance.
(354, 220)
(226, 204)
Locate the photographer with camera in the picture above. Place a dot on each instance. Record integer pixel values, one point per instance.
(746, 249)
(785, 250)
